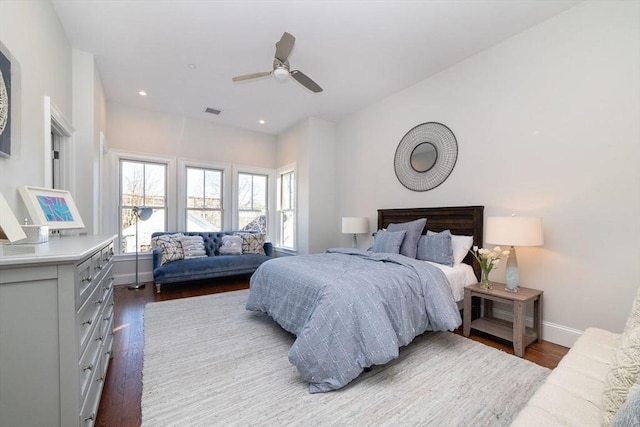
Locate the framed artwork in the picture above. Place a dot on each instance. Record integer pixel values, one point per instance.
(48, 206)
(5, 103)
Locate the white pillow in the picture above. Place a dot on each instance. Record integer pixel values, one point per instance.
(460, 246)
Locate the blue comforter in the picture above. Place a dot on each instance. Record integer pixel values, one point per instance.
(351, 309)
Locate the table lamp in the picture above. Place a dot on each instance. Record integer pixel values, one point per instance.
(355, 225)
(514, 231)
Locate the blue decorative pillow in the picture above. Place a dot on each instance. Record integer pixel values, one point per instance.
(629, 413)
(388, 241)
(414, 231)
(436, 248)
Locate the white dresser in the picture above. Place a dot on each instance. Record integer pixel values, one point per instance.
(56, 323)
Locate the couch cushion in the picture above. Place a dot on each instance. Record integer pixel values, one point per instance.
(573, 394)
(213, 266)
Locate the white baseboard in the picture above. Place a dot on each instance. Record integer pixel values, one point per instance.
(552, 332)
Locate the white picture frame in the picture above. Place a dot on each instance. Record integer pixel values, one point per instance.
(52, 207)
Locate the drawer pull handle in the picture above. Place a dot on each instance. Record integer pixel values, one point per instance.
(87, 322)
(98, 301)
(99, 338)
(106, 319)
(90, 418)
(99, 380)
(99, 267)
(87, 279)
(88, 368)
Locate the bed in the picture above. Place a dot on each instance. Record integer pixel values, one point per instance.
(351, 309)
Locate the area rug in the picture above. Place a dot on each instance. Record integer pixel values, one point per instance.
(208, 361)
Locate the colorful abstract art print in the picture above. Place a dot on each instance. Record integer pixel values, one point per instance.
(55, 208)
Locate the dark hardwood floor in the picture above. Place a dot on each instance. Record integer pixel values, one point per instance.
(120, 403)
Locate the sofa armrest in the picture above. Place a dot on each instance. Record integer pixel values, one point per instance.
(268, 248)
(157, 258)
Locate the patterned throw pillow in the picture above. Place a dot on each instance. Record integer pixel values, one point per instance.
(170, 246)
(193, 247)
(388, 241)
(231, 245)
(413, 231)
(436, 248)
(622, 375)
(633, 320)
(252, 243)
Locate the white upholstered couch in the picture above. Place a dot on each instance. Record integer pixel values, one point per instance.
(593, 380)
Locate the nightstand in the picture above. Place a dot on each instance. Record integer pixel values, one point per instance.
(515, 331)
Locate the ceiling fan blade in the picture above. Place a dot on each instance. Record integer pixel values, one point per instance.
(284, 46)
(305, 81)
(251, 76)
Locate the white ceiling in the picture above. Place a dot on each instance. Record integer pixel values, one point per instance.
(358, 51)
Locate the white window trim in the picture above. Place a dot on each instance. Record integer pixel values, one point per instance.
(292, 167)
(183, 164)
(170, 214)
(271, 193)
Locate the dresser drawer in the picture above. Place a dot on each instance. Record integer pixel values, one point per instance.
(89, 408)
(107, 253)
(105, 353)
(84, 273)
(98, 266)
(90, 362)
(87, 317)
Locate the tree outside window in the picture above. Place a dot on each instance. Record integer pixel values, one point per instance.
(141, 184)
(252, 202)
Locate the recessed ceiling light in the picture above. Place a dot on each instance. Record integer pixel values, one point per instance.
(192, 66)
(261, 121)
(142, 93)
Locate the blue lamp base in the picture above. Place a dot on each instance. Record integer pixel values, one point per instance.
(512, 278)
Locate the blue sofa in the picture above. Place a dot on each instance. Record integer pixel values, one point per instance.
(211, 266)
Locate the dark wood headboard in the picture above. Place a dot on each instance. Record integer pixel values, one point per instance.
(460, 220)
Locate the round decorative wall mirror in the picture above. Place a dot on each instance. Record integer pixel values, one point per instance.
(423, 157)
(426, 156)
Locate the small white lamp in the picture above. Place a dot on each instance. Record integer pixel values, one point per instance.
(514, 231)
(142, 214)
(355, 225)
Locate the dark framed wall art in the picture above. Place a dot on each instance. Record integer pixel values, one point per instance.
(5, 103)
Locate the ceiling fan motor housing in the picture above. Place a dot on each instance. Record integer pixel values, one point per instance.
(280, 69)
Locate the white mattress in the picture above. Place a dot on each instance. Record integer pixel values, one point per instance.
(459, 276)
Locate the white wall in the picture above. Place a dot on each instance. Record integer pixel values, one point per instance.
(547, 124)
(33, 34)
(145, 131)
(311, 144)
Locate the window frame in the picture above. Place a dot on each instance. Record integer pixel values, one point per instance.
(183, 164)
(170, 186)
(270, 204)
(285, 170)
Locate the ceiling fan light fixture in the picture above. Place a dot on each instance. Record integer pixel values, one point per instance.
(280, 73)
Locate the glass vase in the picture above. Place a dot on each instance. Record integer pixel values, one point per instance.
(485, 283)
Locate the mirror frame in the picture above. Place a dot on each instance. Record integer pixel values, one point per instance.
(446, 145)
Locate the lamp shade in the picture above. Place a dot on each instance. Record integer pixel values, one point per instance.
(355, 225)
(514, 231)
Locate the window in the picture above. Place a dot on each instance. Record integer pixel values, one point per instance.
(252, 201)
(141, 184)
(204, 199)
(287, 210)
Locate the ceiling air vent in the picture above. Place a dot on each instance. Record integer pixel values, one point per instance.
(212, 111)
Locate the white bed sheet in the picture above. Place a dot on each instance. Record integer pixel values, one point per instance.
(459, 276)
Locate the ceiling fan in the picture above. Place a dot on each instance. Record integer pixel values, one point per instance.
(281, 66)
